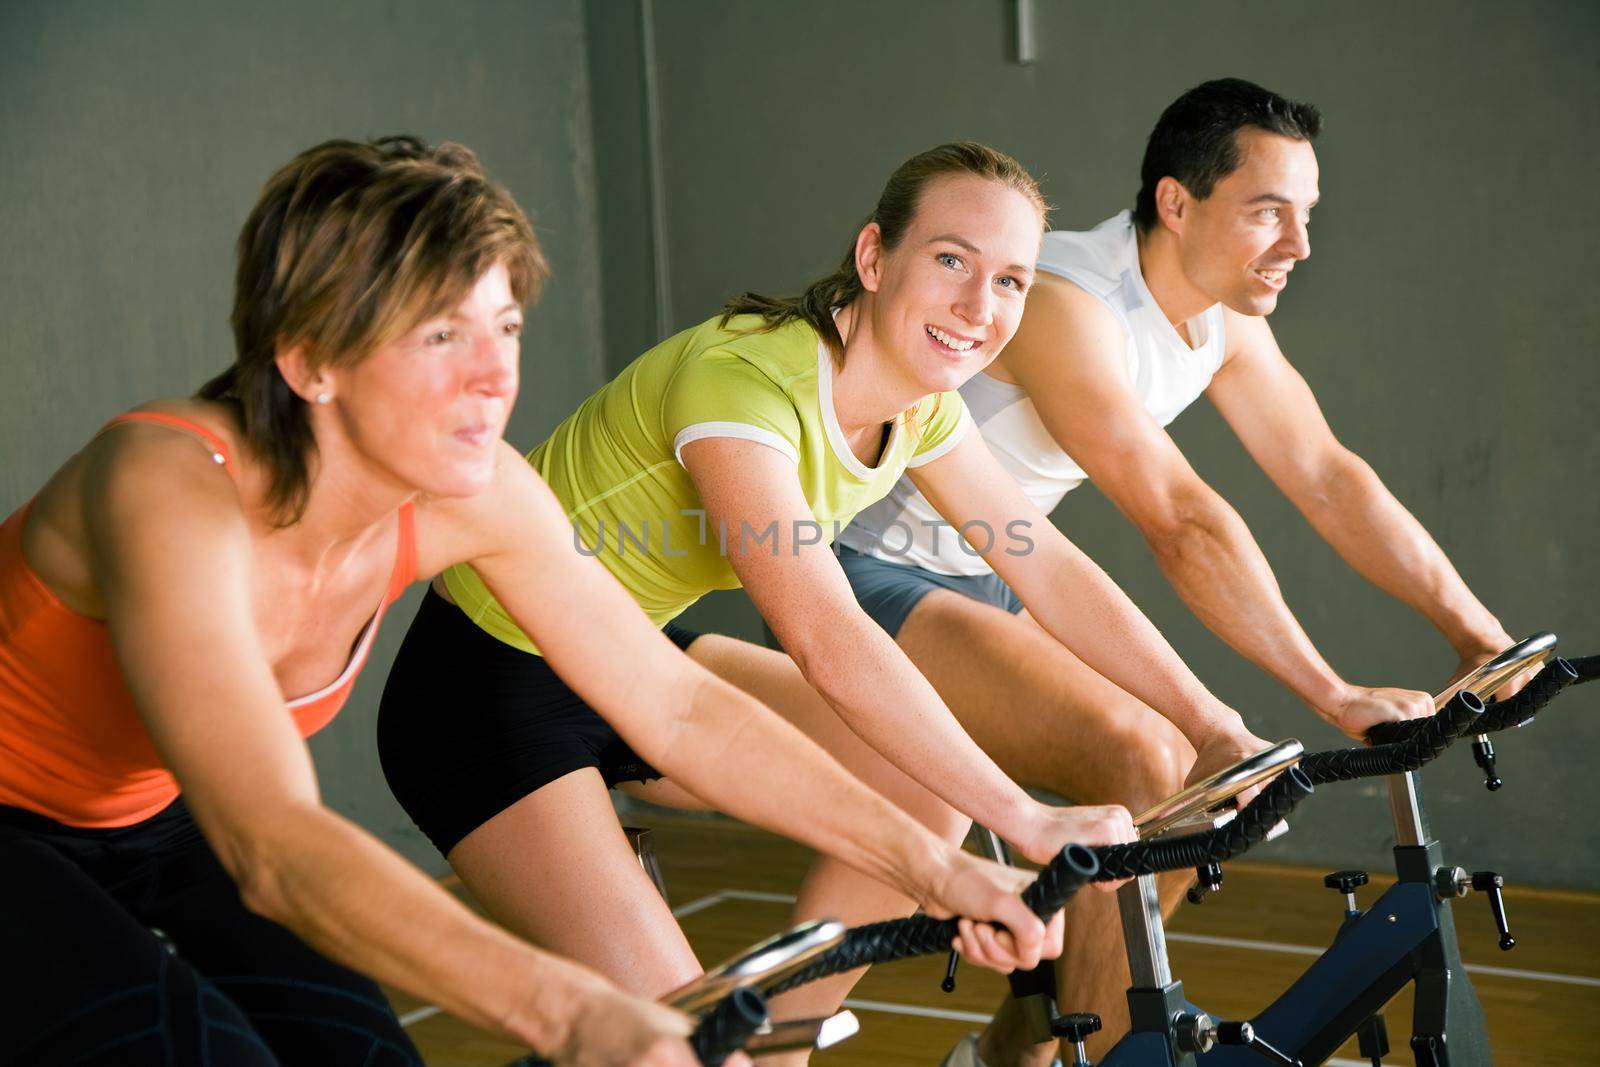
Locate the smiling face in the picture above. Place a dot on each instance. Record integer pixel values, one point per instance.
(431, 406)
(949, 296)
(1238, 245)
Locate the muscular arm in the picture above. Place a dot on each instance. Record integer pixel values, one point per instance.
(856, 667)
(1069, 356)
(710, 737)
(174, 571)
(1273, 411)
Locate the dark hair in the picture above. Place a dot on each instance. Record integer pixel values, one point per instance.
(897, 206)
(1196, 139)
(350, 246)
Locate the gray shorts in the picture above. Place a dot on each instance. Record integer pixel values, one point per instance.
(888, 591)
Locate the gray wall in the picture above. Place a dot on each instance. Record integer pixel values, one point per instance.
(1445, 319)
(137, 136)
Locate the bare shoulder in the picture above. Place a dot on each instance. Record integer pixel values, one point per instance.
(147, 470)
(135, 492)
(1063, 328)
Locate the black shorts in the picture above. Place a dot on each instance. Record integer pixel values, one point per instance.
(469, 725)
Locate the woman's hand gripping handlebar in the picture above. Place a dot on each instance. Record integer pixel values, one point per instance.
(921, 935)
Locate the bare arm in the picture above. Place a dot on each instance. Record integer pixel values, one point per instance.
(174, 571)
(707, 735)
(804, 596)
(1067, 592)
(1273, 411)
(1069, 355)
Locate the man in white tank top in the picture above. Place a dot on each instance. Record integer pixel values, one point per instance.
(1127, 325)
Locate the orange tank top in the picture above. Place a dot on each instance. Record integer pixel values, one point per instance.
(72, 745)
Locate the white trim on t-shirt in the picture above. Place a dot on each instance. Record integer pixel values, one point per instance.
(741, 430)
(830, 422)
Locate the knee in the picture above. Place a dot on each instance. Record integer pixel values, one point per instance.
(1158, 761)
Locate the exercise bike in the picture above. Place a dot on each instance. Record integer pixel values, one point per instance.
(1406, 936)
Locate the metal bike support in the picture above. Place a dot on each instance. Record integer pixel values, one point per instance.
(1154, 999)
(1405, 803)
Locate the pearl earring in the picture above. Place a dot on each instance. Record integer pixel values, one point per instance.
(324, 398)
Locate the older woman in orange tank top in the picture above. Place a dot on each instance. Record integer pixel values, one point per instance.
(193, 593)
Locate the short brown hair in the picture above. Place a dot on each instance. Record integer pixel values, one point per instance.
(1196, 140)
(350, 245)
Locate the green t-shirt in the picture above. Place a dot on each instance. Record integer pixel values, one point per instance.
(614, 462)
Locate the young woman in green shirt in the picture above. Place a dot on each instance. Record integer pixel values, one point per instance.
(730, 455)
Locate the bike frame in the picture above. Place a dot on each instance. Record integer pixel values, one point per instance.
(1407, 935)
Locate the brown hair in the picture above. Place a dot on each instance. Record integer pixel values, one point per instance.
(897, 206)
(350, 246)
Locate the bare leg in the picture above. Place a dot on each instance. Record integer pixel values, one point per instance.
(556, 869)
(830, 888)
(1050, 721)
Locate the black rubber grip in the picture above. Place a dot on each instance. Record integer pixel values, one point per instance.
(1430, 737)
(1249, 827)
(728, 1026)
(1588, 668)
(1457, 717)
(1073, 868)
(902, 939)
(1530, 699)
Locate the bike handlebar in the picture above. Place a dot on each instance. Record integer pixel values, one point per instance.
(1406, 746)
(1251, 826)
(1532, 698)
(1074, 867)
(729, 1025)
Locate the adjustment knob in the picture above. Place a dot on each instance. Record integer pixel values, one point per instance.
(1492, 883)
(1076, 1028)
(1346, 882)
(1483, 756)
(949, 983)
(1208, 879)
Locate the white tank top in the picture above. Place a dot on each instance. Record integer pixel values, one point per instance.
(1166, 373)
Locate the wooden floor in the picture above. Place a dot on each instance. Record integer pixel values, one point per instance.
(730, 884)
